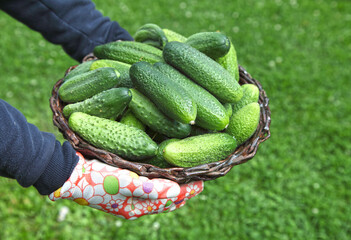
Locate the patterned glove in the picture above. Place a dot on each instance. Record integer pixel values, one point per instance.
(121, 192)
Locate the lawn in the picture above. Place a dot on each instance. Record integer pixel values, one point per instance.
(296, 187)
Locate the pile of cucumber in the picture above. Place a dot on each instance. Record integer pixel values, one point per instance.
(163, 99)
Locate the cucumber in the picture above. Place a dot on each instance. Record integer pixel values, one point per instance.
(118, 138)
(147, 112)
(230, 62)
(213, 44)
(130, 119)
(122, 68)
(107, 104)
(86, 85)
(79, 69)
(151, 34)
(203, 70)
(228, 109)
(210, 112)
(128, 52)
(170, 98)
(251, 94)
(201, 149)
(244, 122)
(173, 36)
(158, 160)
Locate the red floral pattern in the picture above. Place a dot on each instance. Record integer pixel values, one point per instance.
(121, 192)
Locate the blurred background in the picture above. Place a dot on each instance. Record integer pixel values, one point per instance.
(296, 187)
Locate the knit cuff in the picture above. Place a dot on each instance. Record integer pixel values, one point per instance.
(58, 170)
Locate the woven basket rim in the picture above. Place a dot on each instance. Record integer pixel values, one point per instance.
(204, 172)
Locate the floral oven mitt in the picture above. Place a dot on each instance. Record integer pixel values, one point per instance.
(121, 192)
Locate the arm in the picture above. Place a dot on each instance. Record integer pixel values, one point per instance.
(75, 25)
(31, 156)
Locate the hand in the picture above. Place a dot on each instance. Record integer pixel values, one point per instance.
(121, 192)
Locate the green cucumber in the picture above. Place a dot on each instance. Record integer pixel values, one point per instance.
(86, 85)
(203, 70)
(170, 98)
(118, 138)
(244, 122)
(213, 44)
(201, 149)
(151, 34)
(251, 94)
(173, 36)
(79, 69)
(230, 62)
(122, 68)
(130, 119)
(210, 112)
(228, 109)
(147, 112)
(107, 104)
(158, 160)
(128, 52)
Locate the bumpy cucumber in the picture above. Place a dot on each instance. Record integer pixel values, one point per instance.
(213, 44)
(173, 36)
(151, 34)
(251, 94)
(230, 62)
(107, 104)
(128, 52)
(159, 160)
(130, 119)
(169, 97)
(79, 69)
(203, 70)
(122, 68)
(201, 149)
(147, 112)
(123, 140)
(244, 122)
(210, 112)
(86, 85)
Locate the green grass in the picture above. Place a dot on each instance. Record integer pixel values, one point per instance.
(296, 187)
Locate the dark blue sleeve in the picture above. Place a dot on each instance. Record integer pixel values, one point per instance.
(31, 156)
(76, 25)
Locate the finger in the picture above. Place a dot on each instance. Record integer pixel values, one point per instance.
(158, 188)
(191, 189)
(153, 206)
(136, 207)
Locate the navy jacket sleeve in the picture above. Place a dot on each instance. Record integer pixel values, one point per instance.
(31, 156)
(75, 25)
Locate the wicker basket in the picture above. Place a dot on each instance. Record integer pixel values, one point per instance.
(204, 172)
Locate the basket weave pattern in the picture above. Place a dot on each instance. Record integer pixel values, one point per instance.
(204, 172)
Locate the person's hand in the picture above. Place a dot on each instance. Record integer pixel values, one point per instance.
(121, 192)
